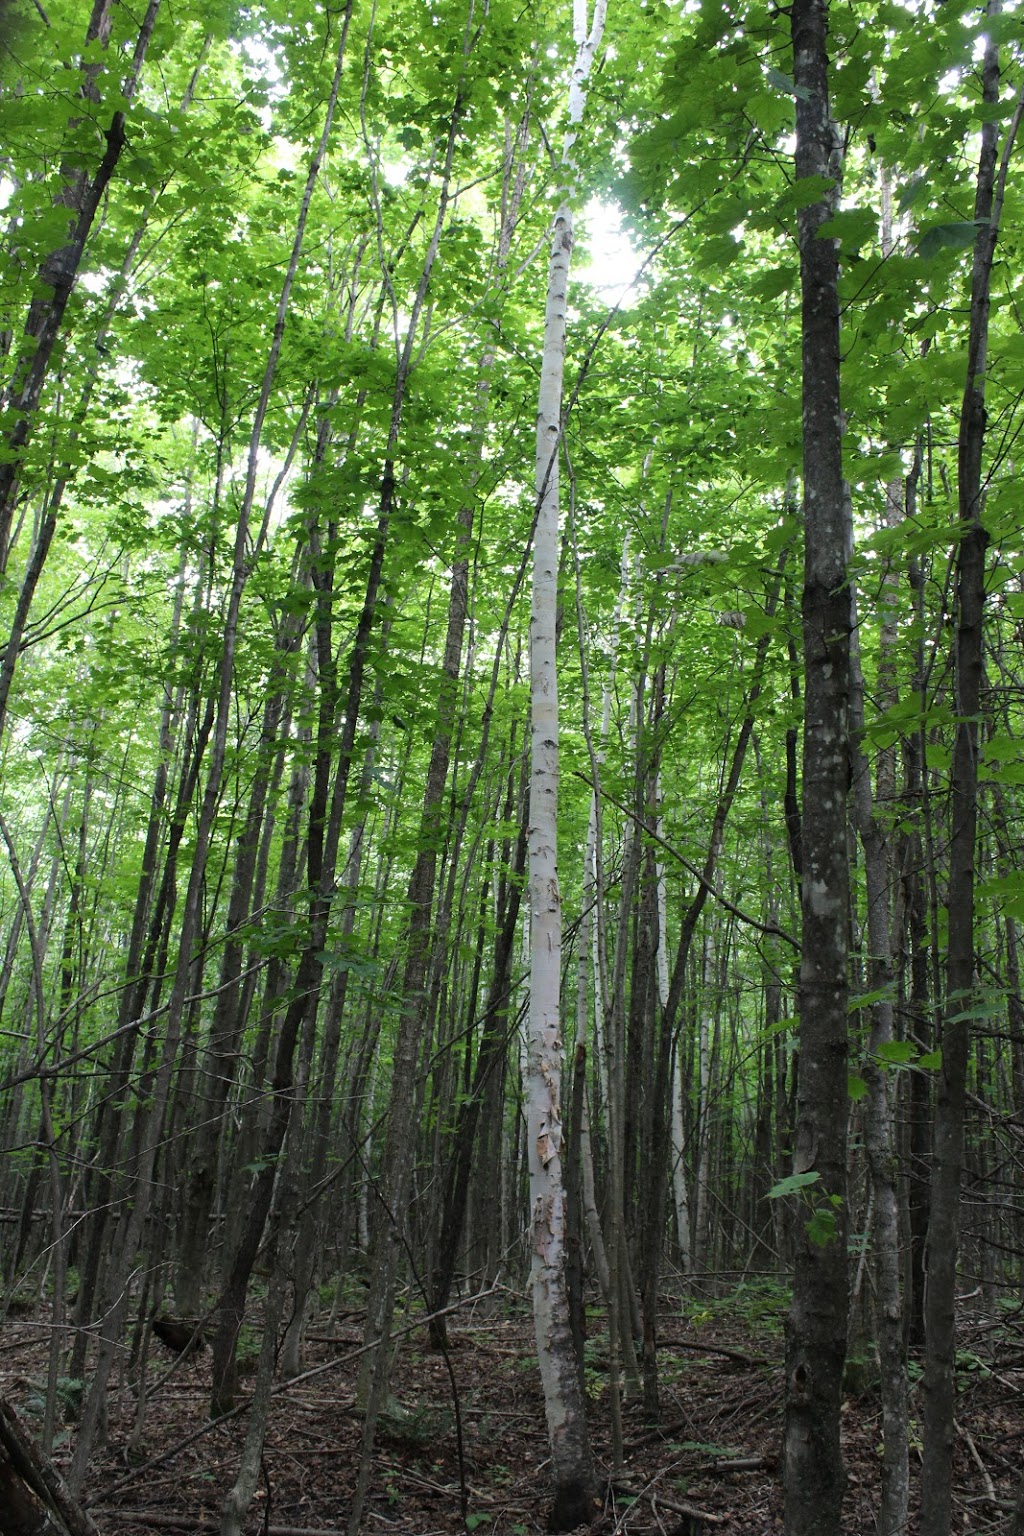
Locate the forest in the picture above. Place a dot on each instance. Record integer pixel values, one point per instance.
(511, 734)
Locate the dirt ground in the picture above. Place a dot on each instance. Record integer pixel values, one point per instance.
(715, 1449)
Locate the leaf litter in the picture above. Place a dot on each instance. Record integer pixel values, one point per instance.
(714, 1453)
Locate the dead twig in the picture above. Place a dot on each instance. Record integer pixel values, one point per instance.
(692, 1347)
(651, 1496)
(976, 1458)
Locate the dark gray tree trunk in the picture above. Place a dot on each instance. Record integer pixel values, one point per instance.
(968, 670)
(816, 1335)
(1017, 1523)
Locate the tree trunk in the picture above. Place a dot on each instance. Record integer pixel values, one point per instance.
(575, 1480)
(816, 1335)
(879, 1141)
(968, 668)
(1017, 1522)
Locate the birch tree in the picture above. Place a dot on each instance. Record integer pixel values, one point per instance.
(572, 1459)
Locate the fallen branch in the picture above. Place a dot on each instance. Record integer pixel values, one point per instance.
(715, 1349)
(677, 1507)
(33, 1498)
(200, 1523)
(738, 1464)
(990, 1491)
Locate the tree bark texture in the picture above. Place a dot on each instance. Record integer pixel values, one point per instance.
(879, 1138)
(968, 674)
(575, 1482)
(816, 1335)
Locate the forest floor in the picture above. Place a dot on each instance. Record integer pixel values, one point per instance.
(715, 1449)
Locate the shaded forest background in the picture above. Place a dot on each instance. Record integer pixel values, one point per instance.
(272, 292)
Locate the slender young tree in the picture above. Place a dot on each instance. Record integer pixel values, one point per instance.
(572, 1458)
(879, 1138)
(968, 669)
(816, 1336)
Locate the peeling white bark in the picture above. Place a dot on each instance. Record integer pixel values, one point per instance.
(572, 1461)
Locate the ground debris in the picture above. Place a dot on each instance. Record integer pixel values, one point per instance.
(714, 1457)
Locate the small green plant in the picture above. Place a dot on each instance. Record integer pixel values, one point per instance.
(247, 1349)
(708, 1448)
(70, 1283)
(594, 1385)
(69, 1397)
(971, 1364)
(760, 1303)
(595, 1366)
(419, 1426)
(822, 1225)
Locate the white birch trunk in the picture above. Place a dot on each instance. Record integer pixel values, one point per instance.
(572, 1460)
(680, 1191)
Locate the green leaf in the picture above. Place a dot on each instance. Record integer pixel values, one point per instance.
(773, 281)
(897, 1052)
(931, 1061)
(822, 1228)
(854, 227)
(986, 1008)
(790, 1185)
(786, 83)
(911, 192)
(954, 236)
(865, 999)
(1008, 773)
(856, 1087)
(806, 191)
